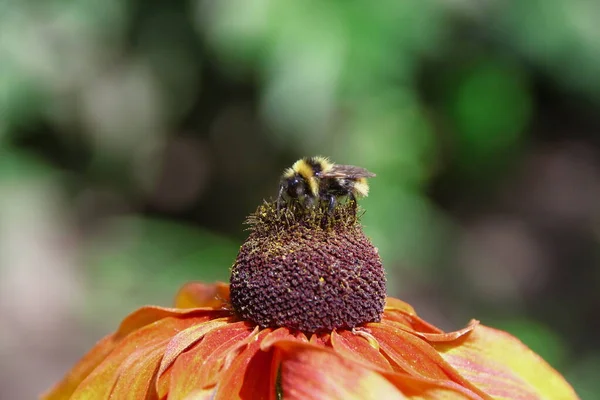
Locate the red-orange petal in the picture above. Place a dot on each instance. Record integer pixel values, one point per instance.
(392, 303)
(198, 294)
(199, 367)
(500, 365)
(204, 394)
(150, 314)
(186, 338)
(136, 320)
(136, 374)
(355, 347)
(275, 336)
(436, 337)
(400, 319)
(65, 388)
(250, 375)
(410, 322)
(307, 385)
(410, 353)
(319, 339)
(303, 375)
(99, 383)
(429, 389)
(301, 337)
(415, 356)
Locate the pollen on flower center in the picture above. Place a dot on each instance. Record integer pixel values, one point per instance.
(307, 270)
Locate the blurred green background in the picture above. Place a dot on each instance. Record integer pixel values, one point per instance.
(135, 136)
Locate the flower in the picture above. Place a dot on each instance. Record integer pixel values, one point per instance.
(305, 317)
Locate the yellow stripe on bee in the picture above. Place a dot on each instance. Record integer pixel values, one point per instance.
(302, 168)
(289, 172)
(324, 162)
(361, 187)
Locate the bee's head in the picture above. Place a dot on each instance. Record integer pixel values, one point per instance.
(295, 186)
(299, 182)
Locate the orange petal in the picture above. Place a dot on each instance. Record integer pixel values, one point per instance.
(406, 386)
(428, 389)
(450, 336)
(250, 375)
(136, 320)
(500, 365)
(198, 294)
(65, 388)
(275, 336)
(282, 334)
(200, 367)
(356, 347)
(392, 303)
(415, 356)
(301, 337)
(319, 339)
(310, 372)
(420, 325)
(185, 339)
(149, 314)
(410, 322)
(137, 373)
(99, 383)
(412, 354)
(400, 319)
(204, 394)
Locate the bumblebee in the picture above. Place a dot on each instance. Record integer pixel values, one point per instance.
(316, 179)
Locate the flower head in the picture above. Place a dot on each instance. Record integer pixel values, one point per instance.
(304, 318)
(309, 271)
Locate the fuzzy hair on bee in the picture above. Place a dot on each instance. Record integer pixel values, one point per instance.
(312, 180)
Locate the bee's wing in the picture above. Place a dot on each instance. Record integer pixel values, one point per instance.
(346, 171)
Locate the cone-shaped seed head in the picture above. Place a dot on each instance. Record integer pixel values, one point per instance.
(307, 270)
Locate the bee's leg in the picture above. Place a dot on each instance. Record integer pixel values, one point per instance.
(279, 197)
(331, 201)
(352, 199)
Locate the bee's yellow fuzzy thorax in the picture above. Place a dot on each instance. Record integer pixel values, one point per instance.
(324, 162)
(304, 169)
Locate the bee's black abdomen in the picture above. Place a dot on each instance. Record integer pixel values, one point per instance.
(337, 187)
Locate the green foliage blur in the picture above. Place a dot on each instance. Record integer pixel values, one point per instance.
(136, 136)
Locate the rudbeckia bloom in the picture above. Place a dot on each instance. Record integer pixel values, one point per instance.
(305, 317)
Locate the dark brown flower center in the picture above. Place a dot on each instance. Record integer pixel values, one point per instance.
(307, 270)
